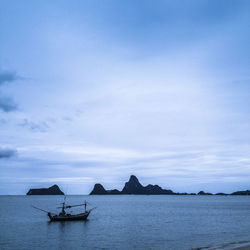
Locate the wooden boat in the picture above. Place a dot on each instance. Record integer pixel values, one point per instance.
(69, 217)
(63, 216)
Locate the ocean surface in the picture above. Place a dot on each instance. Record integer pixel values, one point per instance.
(127, 222)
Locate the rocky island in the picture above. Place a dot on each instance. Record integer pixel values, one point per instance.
(53, 190)
(133, 186)
(247, 192)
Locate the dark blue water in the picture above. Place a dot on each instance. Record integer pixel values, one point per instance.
(127, 222)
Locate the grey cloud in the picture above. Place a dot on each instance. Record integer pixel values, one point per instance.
(8, 76)
(7, 104)
(7, 153)
(35, 126)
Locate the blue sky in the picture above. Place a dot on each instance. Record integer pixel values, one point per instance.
(94, 91)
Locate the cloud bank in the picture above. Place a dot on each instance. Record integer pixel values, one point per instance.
(157, 90)
(6, 103)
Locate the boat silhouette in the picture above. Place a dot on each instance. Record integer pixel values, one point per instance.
(64, 216)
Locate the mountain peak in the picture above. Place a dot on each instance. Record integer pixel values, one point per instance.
(133, 186)
(98, 189)
(133, 178)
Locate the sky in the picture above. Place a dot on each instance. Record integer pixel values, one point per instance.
(93, 91)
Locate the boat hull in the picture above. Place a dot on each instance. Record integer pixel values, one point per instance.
(82, 216)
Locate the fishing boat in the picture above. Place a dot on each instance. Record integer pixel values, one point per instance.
(64, 216)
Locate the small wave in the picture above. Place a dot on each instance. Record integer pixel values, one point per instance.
(240, 245)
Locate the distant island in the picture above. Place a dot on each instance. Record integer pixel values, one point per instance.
(53, 190)
(133, 186)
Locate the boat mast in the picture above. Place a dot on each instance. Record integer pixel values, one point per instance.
(63, 206)
(85, 205)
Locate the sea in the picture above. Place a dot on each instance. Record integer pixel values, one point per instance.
(127, 222)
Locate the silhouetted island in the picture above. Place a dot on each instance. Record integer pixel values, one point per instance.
(133, 186)
(247, 192)
(204, 193)
(53, 190)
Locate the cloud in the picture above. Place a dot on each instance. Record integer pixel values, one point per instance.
(7, 153)
(7, 104)
(8, 76)
(35, 126)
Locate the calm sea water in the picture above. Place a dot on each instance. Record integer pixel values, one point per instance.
(127, 222)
